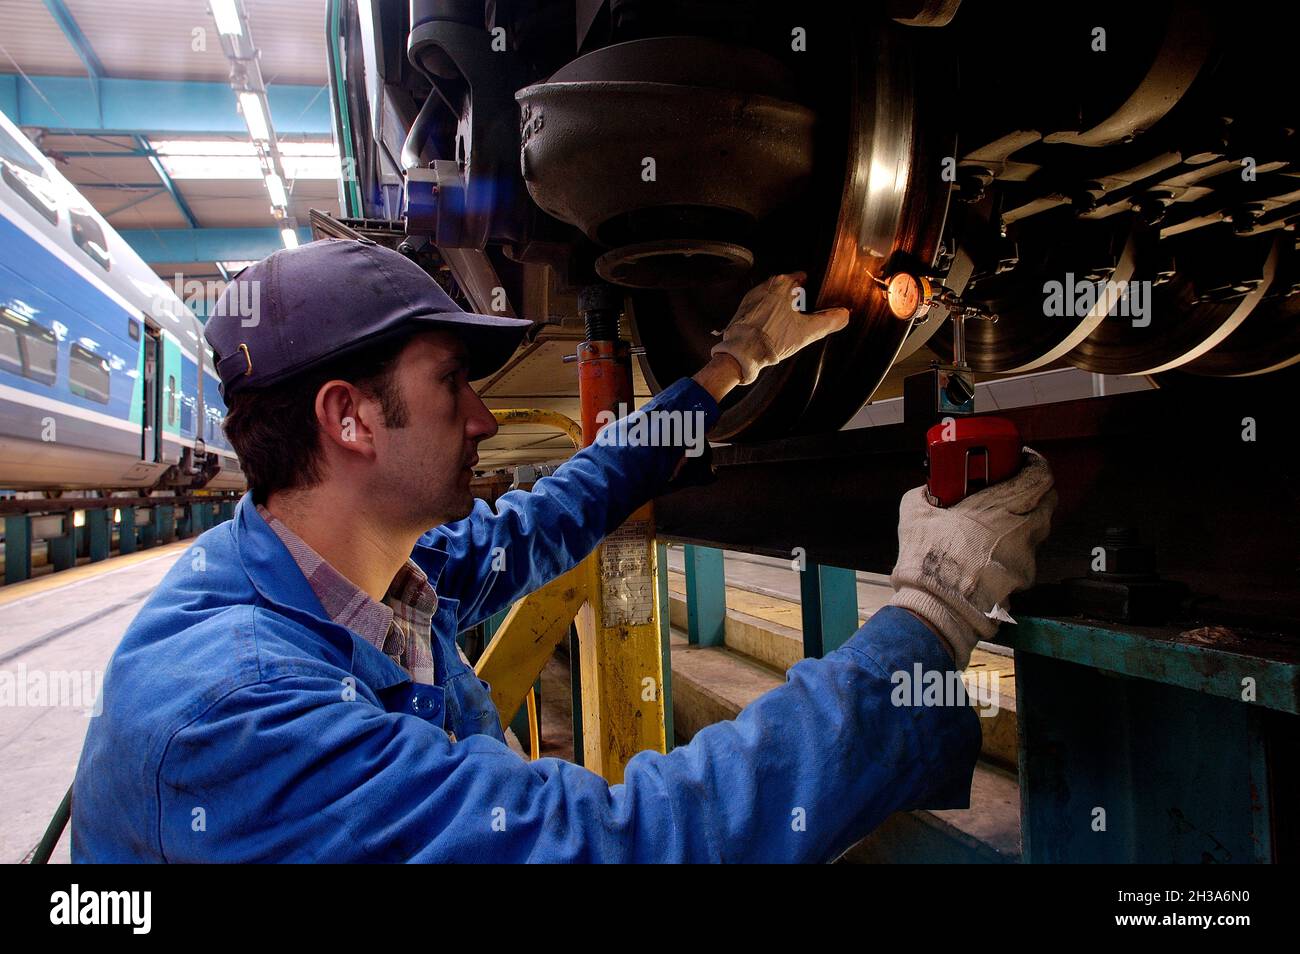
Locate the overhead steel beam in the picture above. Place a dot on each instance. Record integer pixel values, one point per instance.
(102, 154)
(68, 24)
(139, 200)
(119, 186)
(167, 182)
(207, 245)
(130, 106)
(85, 52)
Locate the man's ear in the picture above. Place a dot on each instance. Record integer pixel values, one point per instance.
(348, 418)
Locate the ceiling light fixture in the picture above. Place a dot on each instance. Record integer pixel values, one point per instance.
(255, 116)
(275, 186)
(227, 16)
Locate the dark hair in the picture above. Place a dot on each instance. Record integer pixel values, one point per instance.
(274, 429)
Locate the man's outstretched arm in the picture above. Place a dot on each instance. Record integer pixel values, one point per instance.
(534, 536)
(804, 771)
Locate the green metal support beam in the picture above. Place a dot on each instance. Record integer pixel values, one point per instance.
(18, 548)
(706, 595)
(207, 245)
(166, 179)
(828, 602)
(100, 527)
(80, 44)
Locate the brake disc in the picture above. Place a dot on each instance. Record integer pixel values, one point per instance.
(1186, 320)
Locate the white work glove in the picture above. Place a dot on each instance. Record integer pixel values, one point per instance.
(956, 564)
(767, 329)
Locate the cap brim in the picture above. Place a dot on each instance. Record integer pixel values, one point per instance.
(490, 339)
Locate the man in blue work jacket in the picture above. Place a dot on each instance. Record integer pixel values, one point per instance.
(293, 692)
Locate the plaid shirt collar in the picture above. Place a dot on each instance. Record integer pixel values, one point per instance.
(399, 627)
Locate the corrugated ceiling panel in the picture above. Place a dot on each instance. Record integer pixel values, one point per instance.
(291, 36)
(233, 211)
(195, 189)
(102, 170)
(157, 39)
(55, 143)
(244, 203)
(160, 212)
(152, 39)
(34, 42)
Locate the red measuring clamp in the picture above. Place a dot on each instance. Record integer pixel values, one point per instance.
(966, 454)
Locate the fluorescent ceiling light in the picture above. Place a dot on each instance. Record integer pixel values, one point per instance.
(227, 17)
(237, 159)
(203, 147)
(275, 186)
(255, 116)
(238, 147)
(290, 238)
(212, 167)
(248, 167)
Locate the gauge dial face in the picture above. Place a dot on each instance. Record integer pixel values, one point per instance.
(905, 295)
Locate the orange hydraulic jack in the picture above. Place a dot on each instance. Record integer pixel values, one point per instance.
(614, 593)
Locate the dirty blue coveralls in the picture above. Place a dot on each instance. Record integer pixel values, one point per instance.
(240, 724)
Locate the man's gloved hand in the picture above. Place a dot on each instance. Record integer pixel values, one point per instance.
(955, 564)
(767, 329)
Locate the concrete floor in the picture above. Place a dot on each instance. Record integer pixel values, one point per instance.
(55, 625)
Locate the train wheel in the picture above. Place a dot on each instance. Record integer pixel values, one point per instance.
(881, 207)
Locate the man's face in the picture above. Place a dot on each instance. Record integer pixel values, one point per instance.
(427, 465)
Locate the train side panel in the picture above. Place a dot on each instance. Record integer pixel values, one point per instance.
(101, 380)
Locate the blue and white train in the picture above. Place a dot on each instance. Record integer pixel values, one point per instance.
(105, 379)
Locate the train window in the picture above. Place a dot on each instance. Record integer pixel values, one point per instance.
(133, 329)
(187, 415)
(42, 355)
(11, 356)
(171, 399)
(27, 348)
(88, 374)
(25, 176)
(12, 151)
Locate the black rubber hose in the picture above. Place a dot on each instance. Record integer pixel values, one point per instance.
(419, 134)
(55, 831)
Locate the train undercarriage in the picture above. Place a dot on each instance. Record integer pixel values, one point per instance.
(1100, 188)
(1106, 186)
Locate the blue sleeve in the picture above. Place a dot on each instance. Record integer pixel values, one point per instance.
(804, 772)
(495, 558)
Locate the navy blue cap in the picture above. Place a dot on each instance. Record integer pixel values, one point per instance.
(300, 307)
